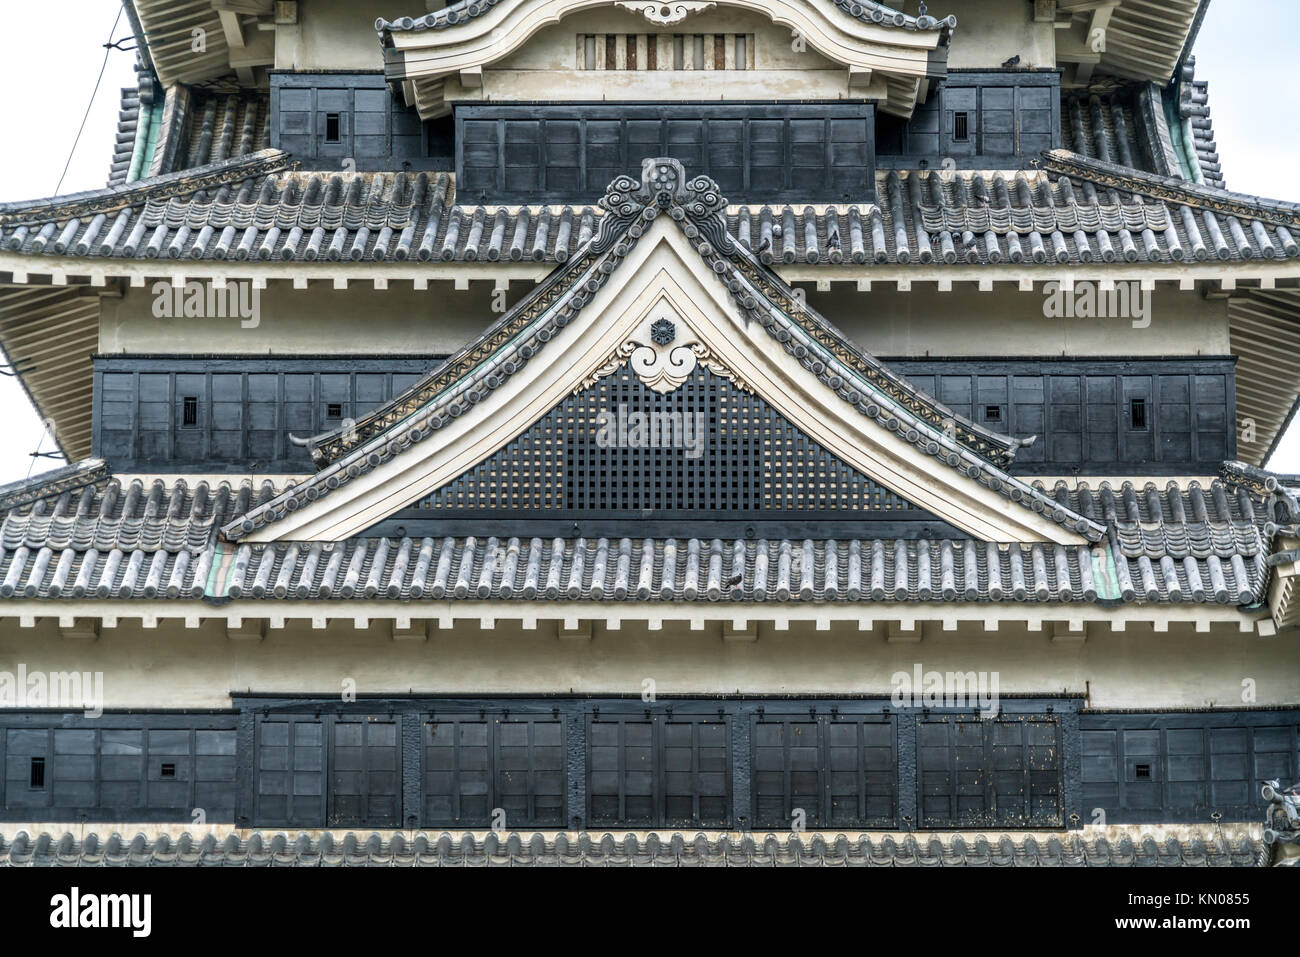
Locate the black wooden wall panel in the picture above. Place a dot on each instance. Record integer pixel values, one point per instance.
(979, 773)
(475, 764)
(1082, 410)
(1166, 767)
(245, 407)
(1009, 118)
(118, 768)
(658, 771)
(365, 772)
(838, 771)
(290, 771)
(680, 763)
(374, 131)
(569, 153)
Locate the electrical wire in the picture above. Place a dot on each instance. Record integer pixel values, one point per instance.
(109, 48)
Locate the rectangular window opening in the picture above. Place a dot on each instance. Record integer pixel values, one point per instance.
(992, 413)
(190, 411)
(1142, 771)
(334, 410)
(961, 127)
(168, 770)
(37, 779)
(1137, 410)
(332, 126)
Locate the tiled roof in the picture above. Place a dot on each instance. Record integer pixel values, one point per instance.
(817, 849)
(1184, 543)
(1097, 212)
(1194, 107)
(137, 102)
(1121, 123)
(210, 127)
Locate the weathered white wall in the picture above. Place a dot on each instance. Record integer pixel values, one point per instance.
(990, 32)
(172, 667)
(337, 35)
(439, 320)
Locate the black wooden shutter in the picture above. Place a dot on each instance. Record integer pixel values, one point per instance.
(290, 771)
(658, 771)
(1005, 772)
(365, 772)
(839, 770)
(476, 763)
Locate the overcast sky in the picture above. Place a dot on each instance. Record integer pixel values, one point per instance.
(1247, 51)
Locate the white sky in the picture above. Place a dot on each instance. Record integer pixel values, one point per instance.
(1246, 50)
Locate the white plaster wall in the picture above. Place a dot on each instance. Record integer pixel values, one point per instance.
(439, 320)
(172, 667)
(992, 31)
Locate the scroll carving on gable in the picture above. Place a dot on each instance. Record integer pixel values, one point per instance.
(661, 356)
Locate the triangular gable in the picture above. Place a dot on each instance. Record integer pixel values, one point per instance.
(687, 294)
(706, 457)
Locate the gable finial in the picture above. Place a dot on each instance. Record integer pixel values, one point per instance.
(698, 204)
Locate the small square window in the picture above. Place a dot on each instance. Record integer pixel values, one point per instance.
(334, 410)
(190, 411)
(992, 413)
(1137, 413)
(168, 770)
(37, 778)
(1142, 771)
(961, 127)
(332, 128)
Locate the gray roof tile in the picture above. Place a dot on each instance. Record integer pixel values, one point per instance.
(1180, 543)
(595, 848)
(232, 210)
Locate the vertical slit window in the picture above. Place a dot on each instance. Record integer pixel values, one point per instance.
(961, 127)
(190, 411)
(1137, 413)
(37, 776)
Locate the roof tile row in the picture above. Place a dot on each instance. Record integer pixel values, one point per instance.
(824, 849)
(924, 217)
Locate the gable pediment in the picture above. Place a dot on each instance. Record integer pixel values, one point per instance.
(662, 295)
(442, 56)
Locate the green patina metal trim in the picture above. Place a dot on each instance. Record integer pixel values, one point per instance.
(210, 588)
(1180, 134)
(146, 142)
(1104, 573)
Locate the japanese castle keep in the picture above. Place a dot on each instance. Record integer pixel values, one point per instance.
(700, 431)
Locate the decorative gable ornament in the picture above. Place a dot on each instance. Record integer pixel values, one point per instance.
(666, 14)
(660, 364)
